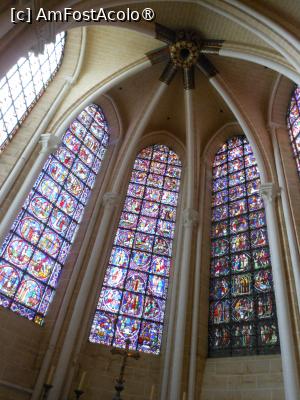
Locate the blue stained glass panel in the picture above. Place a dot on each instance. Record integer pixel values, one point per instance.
(241, 290)
(140, 261)
(40, 240)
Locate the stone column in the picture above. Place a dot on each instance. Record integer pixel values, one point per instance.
(190, 219)
(286, 208)
(49, 143)
(110, 202)
(287, 344)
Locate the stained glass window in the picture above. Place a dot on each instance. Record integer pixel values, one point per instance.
(133, 296)
(40, 239)
(293, 121)
(24, 83)
(242, 318)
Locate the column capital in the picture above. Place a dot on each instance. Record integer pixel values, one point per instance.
(111, 199)
(190, 217)
(49, 143)
(269, 191)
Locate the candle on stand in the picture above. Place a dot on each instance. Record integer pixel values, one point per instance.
(184, 396)
(50, 376)
(152, 392)
(82, 378)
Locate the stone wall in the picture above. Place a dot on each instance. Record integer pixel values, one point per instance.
(243, 378)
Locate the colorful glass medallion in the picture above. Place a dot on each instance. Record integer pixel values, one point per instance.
(242, 309)
(268, 333)
(49, 189)
(115, 277)
(219, 229)
(265, 306)
(262, 281)
(240, 262)
(147, 225)
(261, 258)
(220, 312)
(59, 221)
(136, 282)
(128, 220)
(258, 238)
(29, 292)
(40, 208)
(162, 246)
(154, 309)
(9, 279)
(124, 238)
(220, 266)
(18, 252)
(219, 247)
(110, 299)
(219, 288)
(74, 185)
(237, 208)
(238, 224)
(140, 260)
(160, 265)
(243, 335)
(237, 192)
(30, 229)
(102, 328)
(241, 285)
(57, 171)
(50, 242)
(157, 286)
(40, 266)
(132, 205)
(119, 257)
(220, 197)
(126, 328)
(167, 212)
(220, 212)
(219, 337)
(149, 340)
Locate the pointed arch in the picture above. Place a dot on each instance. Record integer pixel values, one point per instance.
(132, 300)
(36, 248)
(242, 318)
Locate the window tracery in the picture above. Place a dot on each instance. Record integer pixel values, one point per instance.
(36, 248)
(242, 305)
(24, 84)
(132, 300)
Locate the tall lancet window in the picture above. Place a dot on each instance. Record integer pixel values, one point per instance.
(293, 120)
(23, 85)
(242, 317)
(133, 296)
(40, 239)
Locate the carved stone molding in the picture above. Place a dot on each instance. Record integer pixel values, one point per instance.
(49, 143)
(269, 191)
(111, 199)
(190, 217)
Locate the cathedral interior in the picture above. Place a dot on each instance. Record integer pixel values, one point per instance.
(150, 200)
